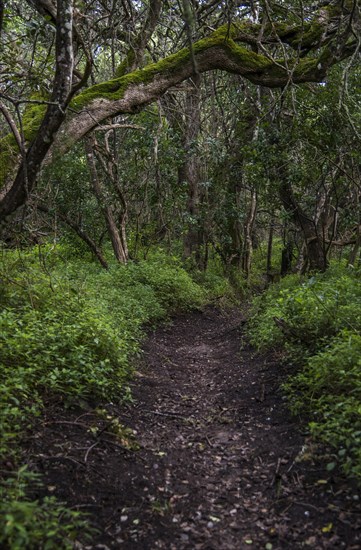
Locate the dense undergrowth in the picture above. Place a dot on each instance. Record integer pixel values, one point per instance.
(318, 321)
(69, 331)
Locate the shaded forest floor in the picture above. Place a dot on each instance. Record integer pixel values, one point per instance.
(221, 463)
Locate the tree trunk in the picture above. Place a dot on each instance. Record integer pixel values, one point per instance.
(356, 248)
(190, 171)
(116, 237)
(286, 258)
(15, 195)
(269, 274)
(315, 250)
(248, 229)
(81, 233)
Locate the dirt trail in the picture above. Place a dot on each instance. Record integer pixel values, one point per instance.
(219, 465)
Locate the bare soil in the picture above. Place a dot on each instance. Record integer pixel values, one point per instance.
(221, 463)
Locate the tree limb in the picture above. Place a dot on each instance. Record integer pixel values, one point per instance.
(14, 197)
(132, 92)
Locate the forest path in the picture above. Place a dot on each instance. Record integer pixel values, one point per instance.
(219, 460)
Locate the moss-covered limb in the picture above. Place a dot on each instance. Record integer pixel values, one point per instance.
(132, 92)
(221, 50)
(114, 89)
(9, 149)
(305, 36)
(236, 58)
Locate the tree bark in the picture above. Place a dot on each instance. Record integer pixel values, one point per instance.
(190, 170)
(269, 274)
(15, 196)
(248, 229)
(132, 92)
(316, 256)
(83, 235)
(116, 237)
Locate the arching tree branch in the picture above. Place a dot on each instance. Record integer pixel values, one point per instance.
(322, 42)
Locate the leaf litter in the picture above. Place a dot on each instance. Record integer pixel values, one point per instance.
(206, 457)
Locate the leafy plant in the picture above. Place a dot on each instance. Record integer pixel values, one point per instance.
(329, 390)
(34, 524)
(318, 320)
(70, 329)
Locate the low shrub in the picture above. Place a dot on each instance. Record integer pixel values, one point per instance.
(318, 322)
(328, 389)
(36, 525)
(69, 329)
(311, 310)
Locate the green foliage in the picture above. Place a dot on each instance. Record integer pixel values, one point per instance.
(217, 284)
(35, 525)
(259, 261)
(329, 390)
(313, 310)
(173, 287)
(321, 323)
(69, 329)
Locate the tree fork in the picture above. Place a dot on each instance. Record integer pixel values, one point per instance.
(131, 92)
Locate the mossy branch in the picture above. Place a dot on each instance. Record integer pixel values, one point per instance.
(231, 48)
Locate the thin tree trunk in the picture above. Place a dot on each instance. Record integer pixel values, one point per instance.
(190, 171)
(110, 167)
(356, 248)
(248, 229)
(114, 234)
(81, 233)
(269, 253)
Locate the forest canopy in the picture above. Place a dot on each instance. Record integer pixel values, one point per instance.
(68, 69)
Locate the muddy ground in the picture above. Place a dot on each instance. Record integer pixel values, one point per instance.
(221, 463)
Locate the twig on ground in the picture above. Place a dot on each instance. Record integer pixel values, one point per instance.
(89, 449)
(171, 414)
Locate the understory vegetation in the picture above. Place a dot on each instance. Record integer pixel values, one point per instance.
(156, 157)
(318, 321)
(69, 331)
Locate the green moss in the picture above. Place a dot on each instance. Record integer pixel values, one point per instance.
(114, 89)
(305, 67)
(6, 162)
(32, 118)
(9, 152)
(251, 61)
(9, 149)
(309, 36)
(124, 65)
